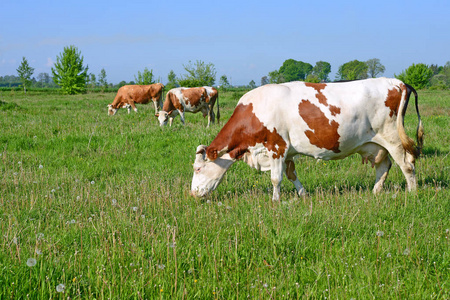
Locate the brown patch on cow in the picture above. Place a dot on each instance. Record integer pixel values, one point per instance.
(318, 87)
(393, 101)
(245, 130)
(194, 96)
(324, 133)
(334, 110)
(290, 169)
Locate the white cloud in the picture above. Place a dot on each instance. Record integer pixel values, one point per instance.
(49, 62)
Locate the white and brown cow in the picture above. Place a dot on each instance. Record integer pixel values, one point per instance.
(181, 100)
(272, 124)
(128, 95)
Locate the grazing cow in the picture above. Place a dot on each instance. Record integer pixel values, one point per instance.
(128, 95)
(273, 123)
(181, 100)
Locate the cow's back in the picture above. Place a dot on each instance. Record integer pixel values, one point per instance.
(326, 121)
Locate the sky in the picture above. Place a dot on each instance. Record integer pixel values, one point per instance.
(244, 40)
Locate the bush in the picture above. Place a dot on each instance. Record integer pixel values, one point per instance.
(418, 76)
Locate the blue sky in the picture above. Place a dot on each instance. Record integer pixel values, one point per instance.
(245, 40)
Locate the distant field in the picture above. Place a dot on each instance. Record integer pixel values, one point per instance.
(96, 207)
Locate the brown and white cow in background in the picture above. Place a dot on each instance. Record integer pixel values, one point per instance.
(128, 95)
(274, 123)
(181, 100)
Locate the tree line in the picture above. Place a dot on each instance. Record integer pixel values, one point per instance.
(71, 75)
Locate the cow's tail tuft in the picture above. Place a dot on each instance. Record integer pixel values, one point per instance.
(218, 109)
(408, 144)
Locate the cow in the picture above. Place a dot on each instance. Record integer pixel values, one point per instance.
(181, 100)
(128, 95)
(274, 123)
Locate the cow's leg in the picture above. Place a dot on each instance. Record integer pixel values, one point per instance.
(406, 163)
(133, 106)
(155, 105)
(182, 116)
(292, 176)
(382, 170)
(276, 175)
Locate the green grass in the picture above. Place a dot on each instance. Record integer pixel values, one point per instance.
(102, 203)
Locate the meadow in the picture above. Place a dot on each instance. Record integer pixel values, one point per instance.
(98, 207)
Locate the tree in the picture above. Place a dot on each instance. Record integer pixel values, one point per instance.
(198, 74)
(321, 70)
(312, 78)
(172, 80)
(252, 84)
(418, 76)
(264, 80)
(69, 72)
(25, 72)
(352, 70)
(224, 83)
(375, 68)
(276, 77)
(102, 80)
(145, 77)
(92, 81)
(295, 70)
(44, 79)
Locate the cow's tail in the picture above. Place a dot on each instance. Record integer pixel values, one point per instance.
(408, 144)
(218, 109)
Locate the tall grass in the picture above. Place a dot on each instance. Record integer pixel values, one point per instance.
(102, 204)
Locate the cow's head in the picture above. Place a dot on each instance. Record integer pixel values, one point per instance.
(111, 111)
(208, 173)
(163, 117)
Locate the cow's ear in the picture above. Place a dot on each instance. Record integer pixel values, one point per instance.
(212, 154)
(170, 112)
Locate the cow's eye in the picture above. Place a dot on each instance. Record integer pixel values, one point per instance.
(197, 169)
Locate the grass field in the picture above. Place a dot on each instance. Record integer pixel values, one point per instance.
(98, 207)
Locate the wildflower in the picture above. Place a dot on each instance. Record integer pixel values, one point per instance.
(31, 262)
(72, 221)
(406, 251)
(219, 203)
(265, 285)
(380, 233)
(92, 182)
(40, 236)
(388, 255)
(60, 288)
(134, 208)
(19, 162)
(114, 202)
(38, 252)
(161, 266)
(41, 166)
(53, 190)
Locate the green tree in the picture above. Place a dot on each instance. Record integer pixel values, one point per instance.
(276, 77)
(418, 76)
(321, 70)
(198, 74)
(25, 71)
(375, 67)
(312, 78)
(92, 81)
(295, 70)
(145, 77)
(224, 83)
(252, 84)
(69, 72)
(44, 79)
(102, 80)
(264, 80)
(172, 80)
(353, 70)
